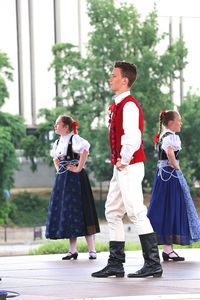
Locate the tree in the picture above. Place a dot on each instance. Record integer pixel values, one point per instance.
(5, 73)
(11, 131)
(189, 156)
(117, 34)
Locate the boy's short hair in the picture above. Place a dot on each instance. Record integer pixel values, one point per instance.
(128, 70)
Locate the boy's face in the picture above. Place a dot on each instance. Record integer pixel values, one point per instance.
(118, 84)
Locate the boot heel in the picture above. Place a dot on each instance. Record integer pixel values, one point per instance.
(157, 274)
(120, 275)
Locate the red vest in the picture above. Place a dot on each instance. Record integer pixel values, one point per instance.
(116, 132)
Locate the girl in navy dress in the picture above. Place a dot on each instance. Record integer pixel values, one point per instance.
(171, 211)
(72, 210)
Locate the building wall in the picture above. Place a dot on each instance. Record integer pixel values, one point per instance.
(43, 177)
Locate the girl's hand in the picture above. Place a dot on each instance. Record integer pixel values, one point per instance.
(176, 167)
(75, 169)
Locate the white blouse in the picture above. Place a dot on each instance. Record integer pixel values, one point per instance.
(79, 145)
(171, 140)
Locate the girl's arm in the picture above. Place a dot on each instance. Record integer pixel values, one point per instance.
(172, 159)
(82, 160)
(56, 163)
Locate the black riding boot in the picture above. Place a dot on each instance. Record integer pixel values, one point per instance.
(115, 261)
(152, 266)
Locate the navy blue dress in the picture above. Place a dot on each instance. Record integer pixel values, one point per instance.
(71, 210)
(171, 211)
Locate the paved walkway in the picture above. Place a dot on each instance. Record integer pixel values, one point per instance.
(48, 277)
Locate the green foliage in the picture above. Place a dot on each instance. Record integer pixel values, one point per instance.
(7, 158)
(31, 146)
(99, 152)
(11, 132)
(189, 156)
(5, 73)
(69, 69)
(118, 33)
(16, 127)
(8, 164)
(28, 209)
(39, 145)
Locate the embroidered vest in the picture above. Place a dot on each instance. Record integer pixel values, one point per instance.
(70, 155)
(116, 132)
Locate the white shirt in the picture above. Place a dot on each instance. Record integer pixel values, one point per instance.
(132, 138)
(171, 140)
(79, 145)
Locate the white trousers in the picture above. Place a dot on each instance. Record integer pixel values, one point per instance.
(125, 195)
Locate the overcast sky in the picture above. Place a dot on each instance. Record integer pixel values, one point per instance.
(168, 7)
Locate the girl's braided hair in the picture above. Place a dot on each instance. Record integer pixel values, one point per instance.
(164, 118)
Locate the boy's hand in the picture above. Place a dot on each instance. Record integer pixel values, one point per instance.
(119, 165)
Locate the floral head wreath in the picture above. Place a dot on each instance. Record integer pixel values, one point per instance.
(75, 125)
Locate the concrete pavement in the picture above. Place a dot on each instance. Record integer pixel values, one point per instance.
(48, 277)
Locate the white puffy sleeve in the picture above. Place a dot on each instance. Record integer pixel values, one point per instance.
(53, 150)
(171, 140)
(79, 144)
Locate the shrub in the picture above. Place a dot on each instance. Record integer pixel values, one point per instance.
(28, 209)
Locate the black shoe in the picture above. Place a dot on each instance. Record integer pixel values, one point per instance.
(146, 272)
(92, 255)
(109, 271)
(70, 255)
(167, 257)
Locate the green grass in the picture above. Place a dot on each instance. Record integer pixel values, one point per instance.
(194, 245)
(61, 246)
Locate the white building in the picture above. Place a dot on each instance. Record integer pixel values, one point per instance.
(29, 28)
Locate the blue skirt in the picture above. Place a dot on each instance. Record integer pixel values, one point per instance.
(171, 211)
(71, 210)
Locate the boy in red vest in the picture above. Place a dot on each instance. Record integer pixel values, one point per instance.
(125, 192)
